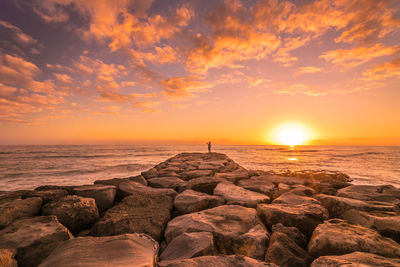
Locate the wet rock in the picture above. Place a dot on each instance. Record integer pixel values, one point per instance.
(48, 195)
(294, 199)
(75, 212)
(356, 259)
(18, 208)
(116, 181)
(33, 238)
(121, 250)
(386, 223)
(6, 196)
(336, 237)
(7, 258)
(305, 217)
(104, 195)
(220, 261)
(302, 190)
(188, 175)
(132, 188)
(285, 247)
(228, 224)
(336, 206)
(258, 184)
(58, 187)
(330, 187)
(385, 193)
(237, 195)
(167, 182)
(204, 184)
(234, 176)
(191, 201)
(146, 210)
(189, 245)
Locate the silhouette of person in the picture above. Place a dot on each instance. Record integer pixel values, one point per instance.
(209, 146)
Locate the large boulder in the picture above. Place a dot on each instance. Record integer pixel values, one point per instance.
(386, 223)
(167, 182)
(122, 250)
(48, 195)
(220, 261)
(104, 195)
(385, 193)
(7, 258)
(356, 259)
(204, 184)
(305, 217)
(116, 181)
(191, 201)
(133, 188)
(258, 184)
(284, 249)
(234, 176)
(294, 199)
(236, 229)
(188, 175)
(336, 237)
(336, 206)
(75, 212)
(18, 208)
(189, 245)
(237, 195)
(145, 210)
(33, 238)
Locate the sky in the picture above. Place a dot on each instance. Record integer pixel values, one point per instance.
(164, 71)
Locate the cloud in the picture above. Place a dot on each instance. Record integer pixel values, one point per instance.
(63, 78)
(183, 87)
(20, 36)
(384, 71)
(300, 88)
(358, 55)
(308, 70)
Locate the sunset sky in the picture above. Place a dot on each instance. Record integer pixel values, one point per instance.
(107, 71)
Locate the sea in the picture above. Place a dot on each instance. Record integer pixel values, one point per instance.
(27, 167)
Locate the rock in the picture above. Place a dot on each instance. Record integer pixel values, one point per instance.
(167, 182)
(385, 193)
(228, 224)
(234, 176)
(189, 245)
(188, 175)
(284, 251)
(7, 258)
(336, 237)
(6, 196)
(386, 223)
(220, 261)
(116, 181)
(356, 259)
(204, 184)
(330, 187)
(104, 195)
(75, 212)
(33, 238)
(293, 199)
(146, 210)
(292, 232)
(121, 250)
(57, 187)
(336, 206)
(305, 217)
(237, 195)
(258, 184)
(302, 190)
(191, 201)
(132, 188)
(48, 195)
(18, 208)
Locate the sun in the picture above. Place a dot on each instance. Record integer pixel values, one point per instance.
(291, 134)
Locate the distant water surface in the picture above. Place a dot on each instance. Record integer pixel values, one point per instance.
(26, 167)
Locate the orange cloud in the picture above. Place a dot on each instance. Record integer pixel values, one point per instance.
(20, 36)
(308, 70)
(384, 71)
(184, 86)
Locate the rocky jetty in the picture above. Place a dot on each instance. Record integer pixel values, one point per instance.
(203, 209)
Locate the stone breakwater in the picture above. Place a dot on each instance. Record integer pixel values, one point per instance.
(199, 209)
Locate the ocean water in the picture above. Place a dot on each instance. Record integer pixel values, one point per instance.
(26, 167)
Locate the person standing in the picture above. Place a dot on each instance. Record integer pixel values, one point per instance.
(209, 146)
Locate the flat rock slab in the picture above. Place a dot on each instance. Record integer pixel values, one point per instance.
(104, 195)
(33, 238)
(305, 217)
(234, 176)
(294, 199)
(188, 175)
(237, 195)
(122, 250)
(217, 261)
(132, 188)
(236, 229)
(356, 259)
(191, 201)
(189, 245)
(7, 258)
(48, 195)
(146, 210)
(336, 206)
(167, 182)
(18, 208)
(336, 237)
(204, 184)
(116, 181)
(385, 193)
(258, 184)
(75, 212)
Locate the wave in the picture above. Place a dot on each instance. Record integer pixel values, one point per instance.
(360, 154)
(300, 151)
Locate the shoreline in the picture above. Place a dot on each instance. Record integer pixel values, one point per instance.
(204, 208)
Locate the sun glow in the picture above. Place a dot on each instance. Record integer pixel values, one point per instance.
(291, 134)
